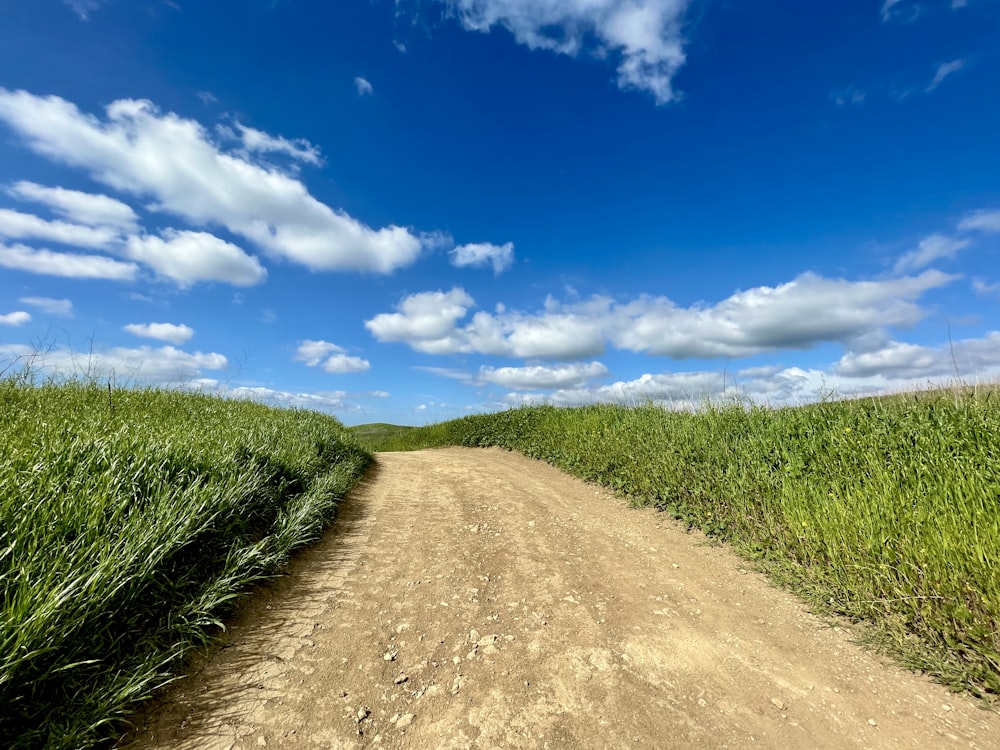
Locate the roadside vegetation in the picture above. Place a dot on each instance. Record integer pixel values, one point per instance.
(884, 510)
(129, 522)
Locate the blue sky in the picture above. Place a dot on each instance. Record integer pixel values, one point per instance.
(410, 210)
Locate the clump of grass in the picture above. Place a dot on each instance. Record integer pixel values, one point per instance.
(125, 533)
(883, 510)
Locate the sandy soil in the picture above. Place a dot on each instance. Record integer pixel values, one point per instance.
(479, 599)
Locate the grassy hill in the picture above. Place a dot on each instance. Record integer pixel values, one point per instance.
(129, 522)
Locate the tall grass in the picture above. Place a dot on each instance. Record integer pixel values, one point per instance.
(883, 510)
(128, 522)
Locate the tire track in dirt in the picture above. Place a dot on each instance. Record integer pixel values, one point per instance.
(479, 599)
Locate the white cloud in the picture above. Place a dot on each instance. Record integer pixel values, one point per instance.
(67, 265)
(331, 357)
(258, 142)
(905, 360)
(425, 321)
(169, 332)
(139, 150)
(313, 352)
(15, 318)
(342, 364)
(20, 226)
(796, 315)
(970, 358)
(956, 4)
(165, 365)
(207, 97)
(62, 308)
(931, 248)
(320, 400)
(535, 377)
(944, 70)
(981, 221)
(364, 87)
(189, 257)
(480, 255)
(981, 286)
(78, 207)
(84, 8)
(898, 367)
(646, 35)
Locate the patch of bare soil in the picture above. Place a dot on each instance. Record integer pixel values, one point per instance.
(479, 599)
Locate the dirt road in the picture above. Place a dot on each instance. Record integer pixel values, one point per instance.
(479, 599)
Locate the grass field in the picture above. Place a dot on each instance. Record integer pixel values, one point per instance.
(883, 510)
(129, 521)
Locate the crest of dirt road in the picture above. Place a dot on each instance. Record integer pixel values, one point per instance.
(480, 598)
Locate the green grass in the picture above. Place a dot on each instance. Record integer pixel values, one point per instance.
(378, 433)
(125, 533)
(883, 510)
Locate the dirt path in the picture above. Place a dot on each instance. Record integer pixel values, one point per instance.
(478, 599)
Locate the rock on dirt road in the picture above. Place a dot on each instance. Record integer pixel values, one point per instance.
(479, 599)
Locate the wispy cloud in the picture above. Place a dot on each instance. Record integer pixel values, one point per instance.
(364, 87)
(258, 142)
(900, 10)
(850, 95)
(62, 308)
(932, 248)
(981, 221)
(944, 70)
(83, 8)
(646, 35)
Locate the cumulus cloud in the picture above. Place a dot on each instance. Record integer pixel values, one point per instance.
(426, 321)
(189, 257)
(319, 400)
(18, 318)
(646, 36)
(139, 150)
(66, 265)
(169, 332)
(537, 376)
(981, 221)
(932, 248)
(897, 367)
(971, 357)
(163, 366)
(796, 315)
(332, 358)
(944, 70)
(364, 87)
(62, 308)
(79, 207)
(480, 255)
(20, 226)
